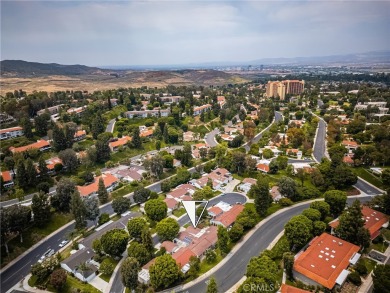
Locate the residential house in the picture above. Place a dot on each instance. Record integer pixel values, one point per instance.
(348, 159)
(79, 135)
(290, 289)
(170, 247)
(8, 180)
(263, 168)
(74, 261)
(181, 191)
(52, 110)
(110, 182)
(114, 102)
(172, 204)
(294, 153)
(189, 136)
(275, 193)
(246, 184)
(51, 163)
(41, 145)
(325, 261)
(126, 173)
(147, 132)
(114, 145)
(305, 166)
(228, 218)
(148, 113)
(171, 99)
(350, 145)
(176, 163)
(196, 149)
(221, 101)
(201, 109)
(380, 105)
(77, 111)
(219, 178)
(182, 258)
(374, 222)
(12, 132)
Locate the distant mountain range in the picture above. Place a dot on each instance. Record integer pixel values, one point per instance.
(25, 68)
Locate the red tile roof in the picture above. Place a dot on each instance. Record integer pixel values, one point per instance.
(108, 180)
(80, 133)
(290, 289)
(6, 130)
(146, 133)
(325, 258)
(182, 257)
(263, 167)
(350, 143)
(250, 181)
(374, 221)
(171, 203)
(229, 217)
(121, 141)
(215, 211)
(52, 162)
(169, 246)
(6, 176)
(36, 145)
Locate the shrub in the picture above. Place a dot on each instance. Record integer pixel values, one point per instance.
(285, 202)
(106, 267)
(361, 268)
(103, 218)
(354, 278)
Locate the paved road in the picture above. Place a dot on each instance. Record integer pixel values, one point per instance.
(210, 137)
(26, 199)
(319, 144)
(234, 269)
(278, 117)
(110, 126)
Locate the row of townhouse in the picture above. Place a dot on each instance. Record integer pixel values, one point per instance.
(148, 113)
(201, 109)
(110, 182)
(219, 178)
(11, 132)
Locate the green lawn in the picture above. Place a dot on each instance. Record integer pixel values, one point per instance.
(370, 264)
(368, 176)
(273, 208)
(123, 191)
(381, 246)
(135, 208)
(178, 213)
(205, 266)
(386, 234)
(32, 236)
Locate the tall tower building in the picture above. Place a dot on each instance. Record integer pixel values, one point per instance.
(281, 88)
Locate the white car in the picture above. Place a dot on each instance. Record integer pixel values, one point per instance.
(48, 253)
(63, 243)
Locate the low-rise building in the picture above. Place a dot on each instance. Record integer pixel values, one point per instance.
(172, 205)
(275, 193)
(77, 111)
(246, 184)
(290, 289)
(201, 109)
(325, 261)
(12, 132)
(41, 145)
(52, 110)
(148, 113)
(115, 145)
(79, 135)
(110, 182)
(8, 180)
(126, 173)
(263, 168)
(51, 163)
(181, 191)
(189, 136)
(350, 145)
(81, 256)
(228, 218)
(375, 221)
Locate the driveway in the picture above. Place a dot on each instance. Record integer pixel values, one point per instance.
(110, 126)
(230, 186)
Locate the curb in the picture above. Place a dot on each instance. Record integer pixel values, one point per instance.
(372, 185)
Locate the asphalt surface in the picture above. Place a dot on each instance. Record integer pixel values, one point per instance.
(278, 117)
(26, 199)
(110, 125)
(210, 137)
(235, 268)
(319, 144)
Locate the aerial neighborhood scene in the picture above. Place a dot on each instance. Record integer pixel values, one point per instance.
(211, 146)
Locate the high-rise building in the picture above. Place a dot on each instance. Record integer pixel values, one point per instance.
(281, 88)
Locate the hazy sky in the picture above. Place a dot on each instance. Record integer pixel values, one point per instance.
(182, 32)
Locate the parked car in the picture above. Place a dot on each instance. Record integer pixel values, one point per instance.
(48, 253)
(63, 243)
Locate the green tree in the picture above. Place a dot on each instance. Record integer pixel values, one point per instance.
(155, 165)
(351, 226)
(9, 163)
(141, 195)
(298, 231)
(43, 170)
(212, 286)
(167, 229)
(211, 256)
(262, 267)
(337, 200)
(223, 239)
(282, 162)
(129, 273)
(164, 272)
(263, 198)
(139, 252)
(146, 240)
(194, 267)
(69, 159)
(106, 267)
(381, 278)
(97, 246)
(92, 208)
(288, 263)
(31, 172)
(41, 123)
(158, 144)
(186, 158)
(40, 207)
(318, 227)
(27, 128)
(386, 177)
(102, 151)
(120, 205)
(136, 139)
(312, 214)
(18, 218)
(248, 218)
(61, 200)
(287, 187)
(135, 227)
(21, 175)
(97, 126)
(59, 139)
(156, 209)
(78, 210)
(102, 191)
(114, 242)
(236, 232)
(103, 218)
(322, 207)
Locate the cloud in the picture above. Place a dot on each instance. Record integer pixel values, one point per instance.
(173, 32)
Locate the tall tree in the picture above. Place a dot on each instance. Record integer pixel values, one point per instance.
(223, 239)
(43, 170)
(19, 218)
(61, 200)
(102, 151)
(288, 263)
(121, 205)
(287, 187)
(59, 139)
(69, 132)
(381, 278)
(21, 175)
(141, 194)
(156, 209)
(249, 130)
(135, 227)
(78, 210)
(69, 159)
(186, 158)
(41, 124)
(27, 128)
(114, 242)
(298, 231)
(155, 165)
(167, 229)
(263, 198)
(31, 172)
(351, 226)
(10, 163)
(147, 241)
(337, 200)
(164, 272)
(40, 207)
(129, 272)
(140, 252)
(136, 139)
(92, 208)
(97, 125)
(102, 192)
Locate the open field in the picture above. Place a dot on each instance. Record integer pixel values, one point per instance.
(50, 83)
